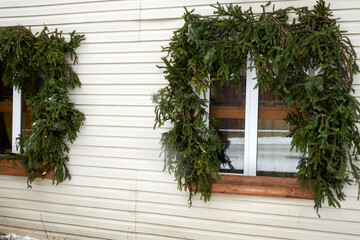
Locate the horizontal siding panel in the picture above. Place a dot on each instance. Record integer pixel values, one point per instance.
(113, 37)
(177, 12)
(116, 152)
(72, 190)
(118, 142)
(116, 90)
(106, 162)
(148, 48)
(67, 199)
(93, 27)
(66, 8)
(212, 227)
(32, 3)
(187, 233)
(206, 9)
(117, 68)
(286, 209)
(169, 21)
(66, 219)
(349, 15)
(163, 35)
(112, 173)
(120, 132)
(73, 18)
(75, 230)
(350, 203)
(356, 80)
(159, 187)
(70, 210)
(181, 199)
(233, 217)
(153, 237)
(352, 28)
(120, 121)
(172, 13)
(268, 208)
(118, 111)
(100, 100)
(155, 4)
(351, 191)
(357, 90)
(134, 78)
(149, 57)
(160, 24)
(95, 182)
(121, 184)
(39, 234)
(156, 176)
(122, 48)
(348, 4)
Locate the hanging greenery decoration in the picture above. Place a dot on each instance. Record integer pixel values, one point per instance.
(38, 65)
(282, 46)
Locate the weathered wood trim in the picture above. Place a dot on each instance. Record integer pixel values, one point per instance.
(7, 168)
(273, 113)
(6, 107)
(261, 186)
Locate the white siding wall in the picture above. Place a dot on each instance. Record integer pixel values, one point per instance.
(118, 190)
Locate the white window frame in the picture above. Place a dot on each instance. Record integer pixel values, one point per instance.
(251, 121)
(16, 118)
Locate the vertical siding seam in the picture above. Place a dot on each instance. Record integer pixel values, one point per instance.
(136, 203)
(140, 20)
(137, 171)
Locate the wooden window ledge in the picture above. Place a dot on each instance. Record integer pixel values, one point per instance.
(261, 186)
(232, 184)
(7, 168)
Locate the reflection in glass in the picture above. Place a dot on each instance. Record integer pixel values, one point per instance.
(26, 120)
(228, 108)
(5, 118)
(274, 157)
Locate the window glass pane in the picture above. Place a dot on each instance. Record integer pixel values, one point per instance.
(228, 108)
(5, 118)
(26, 121)
(274, 157)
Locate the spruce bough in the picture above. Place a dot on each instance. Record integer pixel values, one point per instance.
(38, 65)
(282, 50)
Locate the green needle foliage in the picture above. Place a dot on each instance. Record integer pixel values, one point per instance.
(38, 65)
(282, 46)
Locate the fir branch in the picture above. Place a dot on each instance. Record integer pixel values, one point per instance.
(37, 64)
(324, 126)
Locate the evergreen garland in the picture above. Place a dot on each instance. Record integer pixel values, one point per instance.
(282, 50)
(38, 65)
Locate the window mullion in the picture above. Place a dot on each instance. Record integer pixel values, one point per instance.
(16, 122)
(251, 122)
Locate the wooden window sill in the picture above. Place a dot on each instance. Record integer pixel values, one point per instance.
(7, 168)
(232, 184)
(261, 186)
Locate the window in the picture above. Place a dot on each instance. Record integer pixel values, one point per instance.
(251, 125)
(14, 118)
